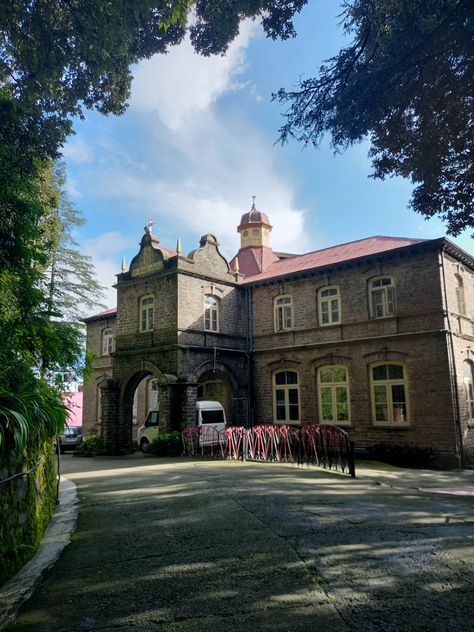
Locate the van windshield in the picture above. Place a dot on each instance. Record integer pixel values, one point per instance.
(212, 416)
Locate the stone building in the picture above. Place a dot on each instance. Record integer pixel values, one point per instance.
(375, 336)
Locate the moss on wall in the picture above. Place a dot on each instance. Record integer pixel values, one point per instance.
(26, 506)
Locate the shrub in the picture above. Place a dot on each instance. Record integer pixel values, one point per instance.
(92, 446)
(403, 455)
(26, 506)
(468, 457)
(166, 444)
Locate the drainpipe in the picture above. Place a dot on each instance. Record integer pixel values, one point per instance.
(452, 368)
(248, 299)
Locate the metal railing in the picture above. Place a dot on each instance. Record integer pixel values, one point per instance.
(324, 446)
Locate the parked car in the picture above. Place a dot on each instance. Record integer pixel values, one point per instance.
(70, 439)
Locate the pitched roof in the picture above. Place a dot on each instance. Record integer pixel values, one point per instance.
(333, 255)
(110, 313)
(254, 259)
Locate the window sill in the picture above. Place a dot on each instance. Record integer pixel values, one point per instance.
(400, 426)
(335, 423)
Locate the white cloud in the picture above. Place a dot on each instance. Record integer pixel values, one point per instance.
(216, 191)
(77, 151)
(106, 252)
(181, 85)
(72, 188)
(203, 161)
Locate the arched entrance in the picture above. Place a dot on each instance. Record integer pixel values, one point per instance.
(215, 381)
(145, 388)
(146, 397)
(215, 385)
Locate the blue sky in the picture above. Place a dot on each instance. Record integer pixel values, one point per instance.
(198, 140)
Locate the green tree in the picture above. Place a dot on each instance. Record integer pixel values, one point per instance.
(69, 277)
(406, 82)
(58, 57)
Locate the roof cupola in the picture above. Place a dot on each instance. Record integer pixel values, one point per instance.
(254, 229)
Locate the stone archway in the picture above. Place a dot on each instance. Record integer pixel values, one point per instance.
(125, 388)
(215, 381)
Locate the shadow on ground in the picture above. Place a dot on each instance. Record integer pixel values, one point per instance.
(202, 545)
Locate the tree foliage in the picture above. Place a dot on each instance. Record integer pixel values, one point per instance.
(58, 57)
(407, 82)
(69, 277)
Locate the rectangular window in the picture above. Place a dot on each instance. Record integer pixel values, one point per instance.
(328, 306)
(389, 394)
(146, 313)
(286, 397)
(211, 311)
(382, 297)
(333, 394)
(283, 313)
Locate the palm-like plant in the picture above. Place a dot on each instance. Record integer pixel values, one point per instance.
(32, 414)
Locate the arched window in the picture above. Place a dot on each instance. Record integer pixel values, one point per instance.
(333, 395)
(107, 341)
(389, 391)
(211, 313)
(329, 307)
(286, 397)
(382, 297)
(469, 391)
(460, 295)
(146, 313)
(283, 313)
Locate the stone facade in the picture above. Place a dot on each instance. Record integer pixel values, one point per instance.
(403, 307)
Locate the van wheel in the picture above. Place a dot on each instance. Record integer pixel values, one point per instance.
(144, 445)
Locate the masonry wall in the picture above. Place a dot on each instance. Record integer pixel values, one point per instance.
(462, 327)
(102, 368)
(414, 336)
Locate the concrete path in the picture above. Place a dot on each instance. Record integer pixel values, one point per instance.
(181, 545)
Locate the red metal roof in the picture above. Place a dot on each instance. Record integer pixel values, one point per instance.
(103, 315)
(253, 260)
(328, 256)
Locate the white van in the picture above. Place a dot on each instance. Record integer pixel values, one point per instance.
(209, 414)
(211, 417)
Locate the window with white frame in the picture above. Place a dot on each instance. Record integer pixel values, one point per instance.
(153, 388)
(333, 395)
(211, 313)
(146, 313)
(382, 297)
(107, 341)
(286, 397)
(329, 305)
(469, 390)
(460, 295)
(283, 313)
(389, 390)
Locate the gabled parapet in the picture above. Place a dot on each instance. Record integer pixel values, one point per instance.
(207, 260)
(151, 256)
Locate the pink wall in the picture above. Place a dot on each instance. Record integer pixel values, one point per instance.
(74, 402)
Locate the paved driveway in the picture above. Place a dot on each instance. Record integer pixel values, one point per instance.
(201, 545)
